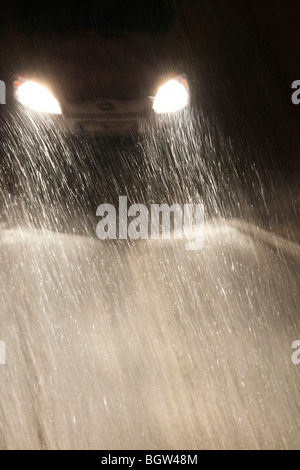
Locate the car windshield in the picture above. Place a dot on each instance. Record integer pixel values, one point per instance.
(106, 17)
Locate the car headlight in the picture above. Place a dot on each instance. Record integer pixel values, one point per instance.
(172, 96)
(35, 96)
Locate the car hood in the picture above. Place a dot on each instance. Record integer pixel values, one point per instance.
(85, 66)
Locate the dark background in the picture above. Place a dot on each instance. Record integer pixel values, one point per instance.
(247, 56)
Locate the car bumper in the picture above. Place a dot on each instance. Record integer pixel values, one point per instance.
(106, 117)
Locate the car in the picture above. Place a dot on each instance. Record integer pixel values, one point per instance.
(105, 69)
